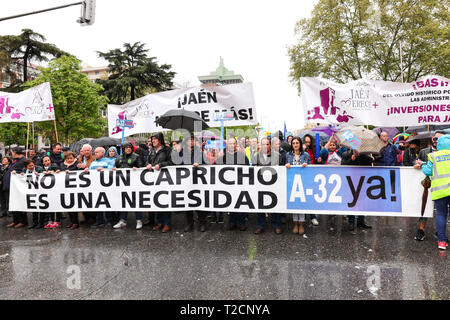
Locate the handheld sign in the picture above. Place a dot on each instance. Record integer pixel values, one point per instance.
(353, 140)
(124, 123)
(223, 116)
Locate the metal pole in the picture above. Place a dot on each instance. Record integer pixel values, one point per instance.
(123, 138)
(40, 11)
(221, 134)
(401, 61)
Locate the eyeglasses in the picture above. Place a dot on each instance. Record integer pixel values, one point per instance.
(435, 139)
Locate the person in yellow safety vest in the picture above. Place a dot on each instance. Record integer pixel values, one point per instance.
(438, 168)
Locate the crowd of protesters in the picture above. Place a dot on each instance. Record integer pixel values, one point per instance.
(156, 154)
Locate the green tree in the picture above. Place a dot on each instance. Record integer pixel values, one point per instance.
(133, 74)
(13, 134)
(26, 47)
(351, 39)
(77, 101)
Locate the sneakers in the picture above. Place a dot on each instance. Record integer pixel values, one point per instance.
(315, 222)
(50, 225)
(363, 225)
(442, 245)
(420, 236)
(122, 224)
(138, 224)
(166, 229)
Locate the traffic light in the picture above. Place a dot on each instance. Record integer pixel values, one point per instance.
(87, 13)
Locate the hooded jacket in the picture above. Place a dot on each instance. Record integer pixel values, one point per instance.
(113, 159)
(443, 144)
(162, 157)
(128, 161)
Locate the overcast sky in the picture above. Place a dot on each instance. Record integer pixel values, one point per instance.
(252, 36)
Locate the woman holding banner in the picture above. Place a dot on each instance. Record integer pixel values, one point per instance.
(71, 164)
(18, 154)
(4, 195)
(308, 147)
(297, 157)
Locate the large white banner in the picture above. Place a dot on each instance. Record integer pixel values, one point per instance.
(375, 191)
(205, 101)
(378, 103)
(31, 105)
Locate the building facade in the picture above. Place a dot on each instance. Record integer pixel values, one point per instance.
(94, 73)
(15, 75)
(222, 76)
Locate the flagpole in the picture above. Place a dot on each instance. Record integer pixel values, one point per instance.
(28, 137)
(56, 130)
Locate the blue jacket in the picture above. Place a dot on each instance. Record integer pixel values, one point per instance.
(113, 160)
(443, 144)
(304, 158)
(387, 156)
(102, 163)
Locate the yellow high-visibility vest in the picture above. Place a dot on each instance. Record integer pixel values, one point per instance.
(440, 180)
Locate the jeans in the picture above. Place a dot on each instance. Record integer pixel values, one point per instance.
(217, 216)
(237, 218)
(74, 217)
(276, 217)
(200, 214)
(165, 218)
(20, 217)
(442, 212)
(361, 219)
(101, 219)
(4, 202)
(124, 216)
(298, 217)
(39, 218)
(54, 216)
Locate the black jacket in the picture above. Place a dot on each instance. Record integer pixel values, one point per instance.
(274, 159)
(73, 167)
(163, 156)
(3, 172)
(129, 161)
(361, 159)
(56, 158)
(233, 159)
(196, 156)
(18, 166)
(409, 157)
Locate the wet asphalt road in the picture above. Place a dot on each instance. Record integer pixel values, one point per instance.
(329, 263)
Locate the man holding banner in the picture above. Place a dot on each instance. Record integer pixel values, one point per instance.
(159, 157)
(268, 157)
(128, 160)
(234, 157)
(191, 155)
(353, 158)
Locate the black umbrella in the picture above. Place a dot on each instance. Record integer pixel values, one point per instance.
(420, 136)
(76, 146)
(426, 128)
(180, 119)
(104, 142)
